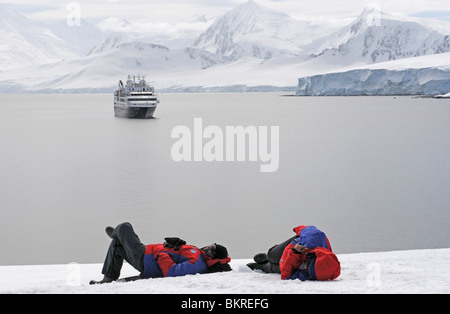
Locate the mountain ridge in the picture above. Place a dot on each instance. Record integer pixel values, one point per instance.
(249, 45)
(25, 42)
(384, 38)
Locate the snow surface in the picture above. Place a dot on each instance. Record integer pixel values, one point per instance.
(399, 272)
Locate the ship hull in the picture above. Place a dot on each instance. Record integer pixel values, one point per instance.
(134, 112)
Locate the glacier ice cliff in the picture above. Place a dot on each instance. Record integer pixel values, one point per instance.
(377, 82)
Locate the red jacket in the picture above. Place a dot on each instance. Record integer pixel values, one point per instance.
(324, 265)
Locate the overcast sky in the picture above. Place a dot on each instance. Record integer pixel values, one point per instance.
(170, 12)
(173, 11)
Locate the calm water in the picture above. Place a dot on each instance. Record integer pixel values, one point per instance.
(372, 172)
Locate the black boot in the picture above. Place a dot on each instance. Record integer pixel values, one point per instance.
(104, 280)
(261, 258)
(109, 231)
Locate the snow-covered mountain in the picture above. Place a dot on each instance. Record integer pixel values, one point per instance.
(249, 45)
(381, 54)
(377, 37)
(251, 30)
(24, 42)
(111, 42)
(100, 72)
(78, 39)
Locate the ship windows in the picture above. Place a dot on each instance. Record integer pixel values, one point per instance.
(141, 99)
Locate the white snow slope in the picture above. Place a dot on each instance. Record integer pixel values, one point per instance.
(399, 272)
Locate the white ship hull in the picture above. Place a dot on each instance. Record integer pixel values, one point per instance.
(134, 112)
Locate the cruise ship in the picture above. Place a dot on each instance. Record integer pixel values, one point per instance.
(137, 99)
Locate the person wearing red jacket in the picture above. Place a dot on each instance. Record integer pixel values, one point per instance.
(306, 256)
(172, 258)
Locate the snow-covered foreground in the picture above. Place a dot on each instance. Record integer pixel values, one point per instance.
(416, 272)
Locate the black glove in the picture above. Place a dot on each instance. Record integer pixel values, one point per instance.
(174, 243)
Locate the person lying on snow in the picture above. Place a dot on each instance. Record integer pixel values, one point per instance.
(171, 259)
(306, 256)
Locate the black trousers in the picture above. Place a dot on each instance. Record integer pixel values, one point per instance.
(125, 245)
(274, 256)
